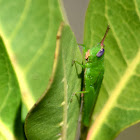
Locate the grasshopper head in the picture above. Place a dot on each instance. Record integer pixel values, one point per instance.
(93, 53)
(98, 50)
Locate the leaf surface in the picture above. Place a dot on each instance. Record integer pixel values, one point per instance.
(118, 104)
(55, 116)
(29, 29)
(10, 100)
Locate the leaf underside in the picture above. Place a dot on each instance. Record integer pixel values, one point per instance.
(56, 114)
(118, 104)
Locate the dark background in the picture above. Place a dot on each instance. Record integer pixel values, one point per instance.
(75, 12)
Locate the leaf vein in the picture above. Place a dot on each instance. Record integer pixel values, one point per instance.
(127, 108)
(41, 48)
(115, 36)
(136, 8)
(21, 20)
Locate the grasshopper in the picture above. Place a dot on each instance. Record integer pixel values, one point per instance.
(93, 76)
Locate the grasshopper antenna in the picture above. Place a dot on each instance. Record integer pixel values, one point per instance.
(102, 42)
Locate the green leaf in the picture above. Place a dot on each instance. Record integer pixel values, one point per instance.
(29, 29)
(10, 100)
(56, 114)
(118, 105)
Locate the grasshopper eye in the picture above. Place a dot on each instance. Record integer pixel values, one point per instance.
(100, 53)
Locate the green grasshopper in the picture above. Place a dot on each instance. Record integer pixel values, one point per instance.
(93, 76)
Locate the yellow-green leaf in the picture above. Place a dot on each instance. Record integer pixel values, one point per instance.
(28, 29)
(118, 104)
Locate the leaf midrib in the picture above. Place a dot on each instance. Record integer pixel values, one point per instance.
(25, 91)
(64, 129)
(6, 132)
